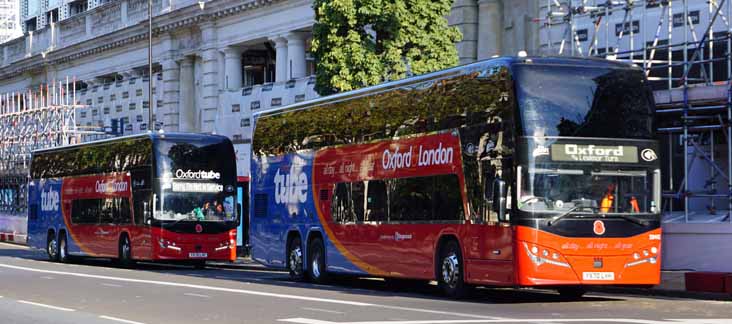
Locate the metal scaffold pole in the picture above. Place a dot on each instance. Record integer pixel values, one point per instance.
(690, 74)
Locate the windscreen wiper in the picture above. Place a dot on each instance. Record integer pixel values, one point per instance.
(559, 217)
(632, 219)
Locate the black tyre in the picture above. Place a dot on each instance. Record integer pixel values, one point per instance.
(294, 259)
(125, 252)
(450, 271)
(52, 247)
(316, 262)
(572, 292)
(63, 249)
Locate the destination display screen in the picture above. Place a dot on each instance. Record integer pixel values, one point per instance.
(594, 153)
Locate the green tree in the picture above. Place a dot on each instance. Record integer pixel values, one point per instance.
(357, 43)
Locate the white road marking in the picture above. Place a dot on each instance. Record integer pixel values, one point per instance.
(486, 321)
(112, 285)
(244, 292)
(48, 277)
(322, 310)
(13, 245)
(47, 306)
(121, 320)
(197, 295)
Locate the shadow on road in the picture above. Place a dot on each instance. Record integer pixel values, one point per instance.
(347, 285)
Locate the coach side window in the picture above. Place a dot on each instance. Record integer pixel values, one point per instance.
(377, 201)
(347, 203)
(423, 199)
(85, 211)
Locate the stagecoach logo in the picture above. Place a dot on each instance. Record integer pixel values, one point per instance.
(197, 175)
(111, 187)
(594, 153)
(49, 200)
(396, 237)
(648, 155)
(199, 228)
(598, 227)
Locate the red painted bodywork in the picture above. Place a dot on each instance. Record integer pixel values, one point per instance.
(102, 240)
(494, 253)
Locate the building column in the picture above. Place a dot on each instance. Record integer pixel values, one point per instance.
(295, 55)
(168, 114)
(210, 77)
(222, 70)
(464, 16)
(280, 58)
(123, 12)
(187, 104)
(232, 56)
(490, 25)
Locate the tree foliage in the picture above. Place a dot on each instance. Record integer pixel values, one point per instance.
(358, 43)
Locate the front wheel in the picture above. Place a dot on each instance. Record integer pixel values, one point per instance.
(450, 274)
(316, 261)
(294, 260)
(125, 252)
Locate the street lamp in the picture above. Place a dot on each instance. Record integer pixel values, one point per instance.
(151, 121)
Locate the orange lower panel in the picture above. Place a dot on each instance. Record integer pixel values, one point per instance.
(490, 272)
(561, 260)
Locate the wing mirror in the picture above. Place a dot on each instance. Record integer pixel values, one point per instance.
(499, 199)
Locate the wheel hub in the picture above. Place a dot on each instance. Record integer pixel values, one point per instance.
(126, 249)
(62, 250)
(450, 269)
(316, 265)
(52, 247)
(296, 260)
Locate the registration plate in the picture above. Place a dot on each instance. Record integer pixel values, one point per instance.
(197, 255)
(598, 275)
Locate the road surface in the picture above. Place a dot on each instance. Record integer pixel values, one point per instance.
(33, 290)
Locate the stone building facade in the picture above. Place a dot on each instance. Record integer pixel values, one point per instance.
(215, 61)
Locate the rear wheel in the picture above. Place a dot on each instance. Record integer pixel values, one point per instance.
(52, 247)
(316, 262)
(125, 252)
(450, 274)
(572, 292)
(63, 249)
(294, 259)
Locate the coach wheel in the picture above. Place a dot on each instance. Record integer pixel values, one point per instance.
(63, 249)
(125, 252)
(52, 247)
(450, 275)
(316, 258)
(294, 260)
(572, 292)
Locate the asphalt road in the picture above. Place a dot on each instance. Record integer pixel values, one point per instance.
(33, 290)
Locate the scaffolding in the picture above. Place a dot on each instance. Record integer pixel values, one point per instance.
(34, 119)
(687, 61)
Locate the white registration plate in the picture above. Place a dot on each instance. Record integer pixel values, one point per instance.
(197, 255)
(598, 276)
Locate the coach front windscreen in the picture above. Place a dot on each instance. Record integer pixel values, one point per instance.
(587, 144)
(196, 179)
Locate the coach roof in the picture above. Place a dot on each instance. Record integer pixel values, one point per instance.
(458, 70)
